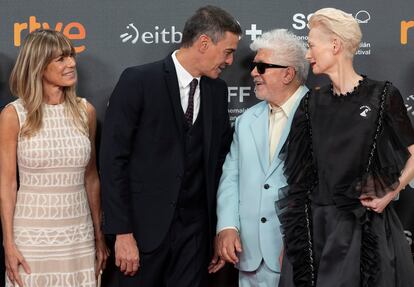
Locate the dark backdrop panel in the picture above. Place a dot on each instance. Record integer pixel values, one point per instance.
(113, 35)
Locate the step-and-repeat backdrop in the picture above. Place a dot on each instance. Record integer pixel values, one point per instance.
(112, 35)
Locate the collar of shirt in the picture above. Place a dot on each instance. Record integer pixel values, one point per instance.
(184, 80)
(184, 77)
(288, 105)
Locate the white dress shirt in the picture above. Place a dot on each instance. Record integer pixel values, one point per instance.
(184, 80)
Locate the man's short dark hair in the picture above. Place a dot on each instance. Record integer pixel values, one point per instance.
(211, 21)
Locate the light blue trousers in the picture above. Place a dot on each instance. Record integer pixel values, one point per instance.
(261, 277)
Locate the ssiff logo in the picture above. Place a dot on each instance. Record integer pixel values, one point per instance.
(72, 30)
(238, 94)
(300, 20)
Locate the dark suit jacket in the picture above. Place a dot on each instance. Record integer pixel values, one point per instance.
(142, 159)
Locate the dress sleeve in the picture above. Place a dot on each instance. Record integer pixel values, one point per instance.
(293, 206)
(391, 153)
(397, 119)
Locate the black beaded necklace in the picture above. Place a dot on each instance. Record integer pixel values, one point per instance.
(353, 92)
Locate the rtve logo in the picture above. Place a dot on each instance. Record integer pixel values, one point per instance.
(72, 30)
(405, 26)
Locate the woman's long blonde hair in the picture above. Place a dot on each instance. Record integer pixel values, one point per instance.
(38, 50)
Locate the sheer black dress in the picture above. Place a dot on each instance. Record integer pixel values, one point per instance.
(341, 147)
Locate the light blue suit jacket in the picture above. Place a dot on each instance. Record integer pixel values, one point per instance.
(249, 188)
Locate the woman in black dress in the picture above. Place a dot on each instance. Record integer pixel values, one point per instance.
(347, 157)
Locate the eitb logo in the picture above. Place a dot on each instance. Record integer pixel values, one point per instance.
(154, 35)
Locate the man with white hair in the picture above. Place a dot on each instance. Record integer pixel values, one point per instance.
(248, 232)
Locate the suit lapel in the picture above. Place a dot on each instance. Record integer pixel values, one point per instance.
(174, 92)
(260, 130)
(206, 106)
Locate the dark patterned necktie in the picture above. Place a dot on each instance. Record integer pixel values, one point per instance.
(190, 108)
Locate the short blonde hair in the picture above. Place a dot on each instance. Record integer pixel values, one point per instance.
(341, 24)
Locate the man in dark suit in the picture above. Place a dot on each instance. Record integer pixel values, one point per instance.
(166, 134)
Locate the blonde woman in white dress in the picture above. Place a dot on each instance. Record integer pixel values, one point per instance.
(51, 216)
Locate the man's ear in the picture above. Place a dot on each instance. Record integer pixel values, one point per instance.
(203, 42)
(289, 76)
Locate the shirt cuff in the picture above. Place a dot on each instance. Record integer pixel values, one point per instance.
(228, 227)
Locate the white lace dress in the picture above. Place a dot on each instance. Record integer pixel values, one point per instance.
(52, 222)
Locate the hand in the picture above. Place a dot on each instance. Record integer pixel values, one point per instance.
(102, 254)
(377, 204)
(13, 259)
(228, 244)
(126, 254)
(216, 263)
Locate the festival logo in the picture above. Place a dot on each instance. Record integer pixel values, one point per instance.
(362, 17)
(300, 22)
(236, 96)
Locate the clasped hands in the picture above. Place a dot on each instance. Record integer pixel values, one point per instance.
(377, 204)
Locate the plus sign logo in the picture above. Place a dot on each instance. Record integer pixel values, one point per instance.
(253, 32)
